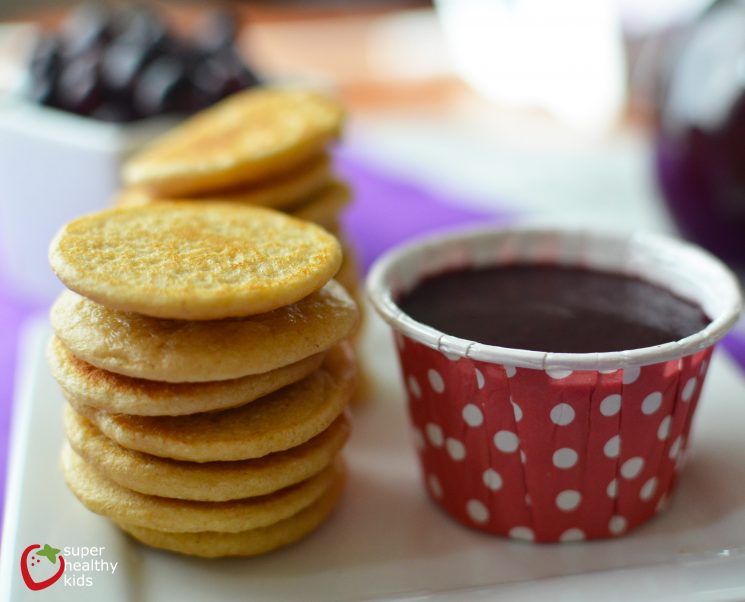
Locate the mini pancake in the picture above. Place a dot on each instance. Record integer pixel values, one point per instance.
(207, 481)
(246, 138)
(103, 496)
(245, 543)
(282, 420)
(116, 393)
(134, 196)
(325, 206)
(349, 273)
(192, 260)
(282, 191)
(185, 351)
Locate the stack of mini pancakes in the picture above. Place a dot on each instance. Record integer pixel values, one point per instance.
(265, 147)
(204, 359)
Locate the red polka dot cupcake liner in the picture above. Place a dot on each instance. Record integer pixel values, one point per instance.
(551, 447)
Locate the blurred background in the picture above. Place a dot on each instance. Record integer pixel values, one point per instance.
(622, 113)
(626, 113)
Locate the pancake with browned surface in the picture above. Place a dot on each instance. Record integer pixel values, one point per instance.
(211, 544)
(349, 273)
(279, 421)
(194, 261)
(103, 496)
(185, 351)
(245, 138)
(206, 481)
(324, 207)
(283, 191)
(117, 393)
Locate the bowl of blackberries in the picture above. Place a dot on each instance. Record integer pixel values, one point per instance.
(125, 63)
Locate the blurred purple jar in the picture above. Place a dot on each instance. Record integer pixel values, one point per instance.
(700, 147)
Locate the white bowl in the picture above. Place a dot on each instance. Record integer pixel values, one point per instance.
(54, 166)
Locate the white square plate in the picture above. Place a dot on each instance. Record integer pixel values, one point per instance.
(386, 540)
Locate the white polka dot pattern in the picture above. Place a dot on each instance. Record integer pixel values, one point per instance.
(652, 403)
(611, 405)
(414, 387)
(472, 415)
(572, 535)
(562, 414)
(558, 373)
(648, 489)
(617, 525)
(492, 479)
(631, 374)
(568, 500)
(528, 455)
(480, 381)
(434, 434)
(565, 458)
(477, 511)
(612, 447)
(631, 468)
(522, 533)
(455, 448)
(663, 431)
(689, 389)
(675, 448)
(506, 441)
(517, 412)
(435, 381)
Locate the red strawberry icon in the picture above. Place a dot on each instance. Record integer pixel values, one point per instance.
(29, 561)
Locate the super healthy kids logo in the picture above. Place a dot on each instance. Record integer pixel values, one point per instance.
(76, 566)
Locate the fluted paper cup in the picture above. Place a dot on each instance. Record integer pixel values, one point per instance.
(553, 447)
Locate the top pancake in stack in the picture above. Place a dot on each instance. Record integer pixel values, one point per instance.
(248, 138)
(264, 147)
(187, 261)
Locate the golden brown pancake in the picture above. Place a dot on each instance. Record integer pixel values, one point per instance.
(248, 137)
(185, 351)
(194, 261)
(116, 393)
(245, 543)
(103, 496)
(205, 481)
(279, 421)
(325, 207)
(283, 191)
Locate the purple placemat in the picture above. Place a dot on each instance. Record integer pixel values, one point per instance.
(13, 313)
(387, 211)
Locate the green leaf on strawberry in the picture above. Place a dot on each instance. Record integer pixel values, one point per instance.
(49, 553)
